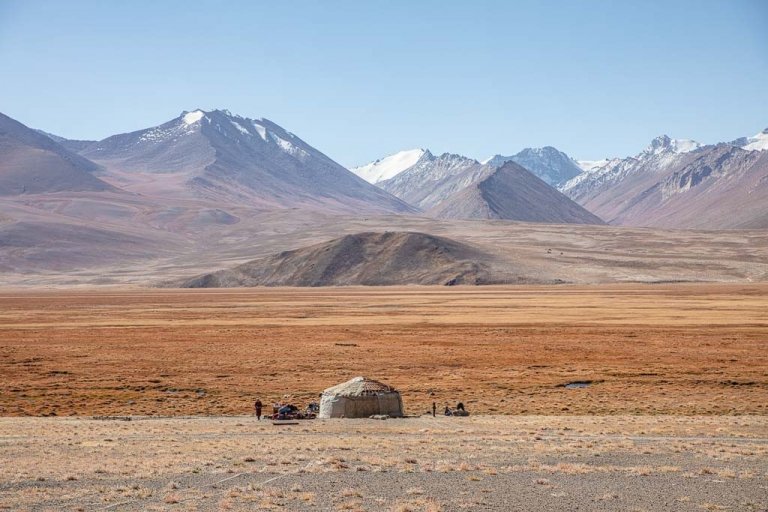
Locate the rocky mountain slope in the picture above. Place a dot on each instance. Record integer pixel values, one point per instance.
(758, 142)
(549, 164)
(511, 192)
(456, 187)
(223, 157)
(32, 163)
(370, 259)
(432, 179)
(679, 184)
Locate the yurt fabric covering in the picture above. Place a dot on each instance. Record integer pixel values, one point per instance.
(360, 398)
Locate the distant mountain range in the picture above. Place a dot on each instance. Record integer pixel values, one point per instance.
(672, 183)
(511, 192)
(549, 164)
(432, 179)
(451, 186)
(680, 184)
(228, 159)
(209, 189)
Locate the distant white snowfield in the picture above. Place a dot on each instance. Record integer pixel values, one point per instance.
(759, 142)
(591, 165)
(389, 166)
(193, 117)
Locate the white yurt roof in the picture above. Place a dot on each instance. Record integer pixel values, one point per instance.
(359, 386)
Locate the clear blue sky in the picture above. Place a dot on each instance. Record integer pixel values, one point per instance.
(361, 79)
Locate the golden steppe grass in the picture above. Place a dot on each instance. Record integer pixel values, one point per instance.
(648, 349)
(238, 463)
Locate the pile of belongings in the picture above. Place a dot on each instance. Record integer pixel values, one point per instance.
(458, 411)
(291, 412)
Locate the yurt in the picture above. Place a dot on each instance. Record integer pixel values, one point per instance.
(360, 398)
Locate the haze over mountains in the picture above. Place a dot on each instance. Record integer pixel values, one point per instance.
(209, 189)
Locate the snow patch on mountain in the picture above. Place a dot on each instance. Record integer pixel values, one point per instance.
(193, 117)
(592, 165)
(390, 166)
(259, 129)
(288, 147)
(757, 143)
(662, 152)
(239, 127)
(547, 163)
(665, 144)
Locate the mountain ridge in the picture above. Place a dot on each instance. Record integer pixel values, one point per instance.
(676, 184)
(33, 163)
(511, 192)
(219, 156)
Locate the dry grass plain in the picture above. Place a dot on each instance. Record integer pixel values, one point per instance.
(675, 418)
(522, 463)
(695, 349)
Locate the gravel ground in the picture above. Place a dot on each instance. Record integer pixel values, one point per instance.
(526, 463)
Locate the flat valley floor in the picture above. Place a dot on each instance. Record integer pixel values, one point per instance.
(504, 463)
(675, 416)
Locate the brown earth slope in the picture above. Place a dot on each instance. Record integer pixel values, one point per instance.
(370, 259)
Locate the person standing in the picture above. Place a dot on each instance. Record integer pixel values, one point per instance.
(258, 405)
(434, 409)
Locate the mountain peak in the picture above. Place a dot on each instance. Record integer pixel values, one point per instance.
(757, 143)
(547, 163)
(190, 118)
(666, 144)
(511, 192)
(390, 166)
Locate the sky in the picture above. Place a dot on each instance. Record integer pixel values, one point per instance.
(363, 79)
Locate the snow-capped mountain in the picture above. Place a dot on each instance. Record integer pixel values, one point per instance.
(665, 144)
(221, 156)
(389, 166)
(452, 186)
(430, 179)
(679, 183)
(511, 192)
(548, 163)
(592, 165)
(660, 153)
(758, 142)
